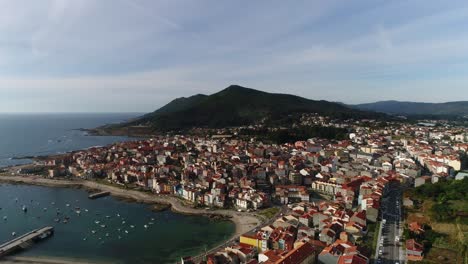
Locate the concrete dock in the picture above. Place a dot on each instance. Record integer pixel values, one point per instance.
(25, 240)
(98, 195)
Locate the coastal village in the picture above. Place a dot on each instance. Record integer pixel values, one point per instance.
(328, 194)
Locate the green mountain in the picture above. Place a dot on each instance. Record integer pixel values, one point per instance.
(459, 108)
(237, 105)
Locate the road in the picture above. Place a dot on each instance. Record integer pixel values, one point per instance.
(389, 248)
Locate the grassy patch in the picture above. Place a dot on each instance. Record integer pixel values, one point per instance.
(370, 240)
(269, 212)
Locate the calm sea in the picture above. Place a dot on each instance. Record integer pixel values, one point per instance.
(165, 239)
(123, 232)
(42, 134)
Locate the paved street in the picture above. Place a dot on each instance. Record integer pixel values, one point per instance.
(389, 249)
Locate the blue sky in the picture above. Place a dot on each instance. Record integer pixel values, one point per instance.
(137, 55)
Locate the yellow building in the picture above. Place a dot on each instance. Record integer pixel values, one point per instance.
(252, 240)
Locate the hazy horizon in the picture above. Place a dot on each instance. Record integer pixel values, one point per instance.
(136, 55)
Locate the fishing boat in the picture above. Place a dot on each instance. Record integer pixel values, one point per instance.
(103, 226)
(5, 218)
(132, 226)
(97, 222)
(13, 233)
(126, 232)
(93, 231)
(24, 208)
(145, 226)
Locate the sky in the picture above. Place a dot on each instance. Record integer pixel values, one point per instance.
(137, 55)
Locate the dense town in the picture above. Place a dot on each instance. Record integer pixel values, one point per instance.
(332, 196)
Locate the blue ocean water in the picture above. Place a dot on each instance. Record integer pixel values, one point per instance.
(43, 134)
(104, 230)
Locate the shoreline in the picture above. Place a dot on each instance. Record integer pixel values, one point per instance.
(243, 222)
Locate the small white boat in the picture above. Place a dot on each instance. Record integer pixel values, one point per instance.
(84, 239)
(97, 222)
(132, 226)
(86, 210)
(107, 234)
(123, 222)
(151, 223)
(24, 208)
(152, 219)
(107, 216)
(118, 215)
(45, 209)
(126, 232)
(120, 237)
(103, 226)
(145, 226)
(93, 231)
(67, 205)
(13, 233)
(5, 218)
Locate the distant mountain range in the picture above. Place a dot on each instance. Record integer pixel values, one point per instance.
(237, 105)
(459, 108)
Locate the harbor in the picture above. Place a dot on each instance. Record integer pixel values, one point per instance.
(94, 229)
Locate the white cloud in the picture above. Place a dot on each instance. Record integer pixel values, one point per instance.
(107, 53)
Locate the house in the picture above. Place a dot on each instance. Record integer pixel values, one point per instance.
(416, 228)
(327, 235)
(341, 252)
(407, 202)
(414, 250)
(422, 180)
(461, 175)
(303, 254)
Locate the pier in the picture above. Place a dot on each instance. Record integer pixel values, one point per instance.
(26, 240)
(98, 195)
